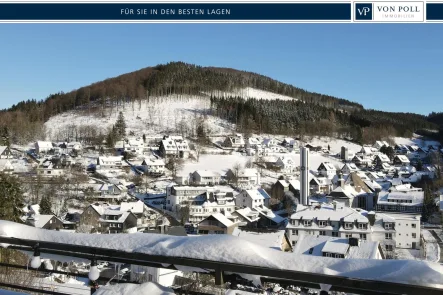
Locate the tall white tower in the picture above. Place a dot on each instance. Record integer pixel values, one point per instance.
(304, 173)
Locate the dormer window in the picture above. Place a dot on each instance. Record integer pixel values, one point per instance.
(321, 223)
(307, 222)
(362, 226)
(389, 226)
(348, 225)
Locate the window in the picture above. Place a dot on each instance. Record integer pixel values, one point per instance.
(388, 225)
(414, 235)
(293, 243)
(362, 226)
(335, 234)
(329, 255)
(389, 248)
(150, 277)
(388, 236)
(322, 223)
(348, 225)
(307, 222)
(348, 235)
(311, 250)
(337, 256)
(363, 236)
(322, 233)
(414, 225)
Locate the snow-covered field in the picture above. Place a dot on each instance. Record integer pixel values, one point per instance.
(155, 116)
(230, 249)
(250, 92)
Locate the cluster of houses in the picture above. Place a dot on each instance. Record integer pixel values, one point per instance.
(366, 207)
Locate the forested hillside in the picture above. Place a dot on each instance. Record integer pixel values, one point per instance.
(24, 121)
(300, 118)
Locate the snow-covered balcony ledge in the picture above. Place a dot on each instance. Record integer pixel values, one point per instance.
(232, 254)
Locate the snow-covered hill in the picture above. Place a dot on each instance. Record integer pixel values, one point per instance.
(158, 115)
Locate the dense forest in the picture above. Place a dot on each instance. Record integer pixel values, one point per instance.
(24, 121)
(298, 118)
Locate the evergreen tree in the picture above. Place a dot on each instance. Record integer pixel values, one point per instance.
(11, 198)
(428, 203)
(120, 126)
(144, 138)
(46, 205)
(111, 138)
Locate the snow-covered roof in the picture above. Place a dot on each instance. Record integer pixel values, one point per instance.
(283, 182)
(229, 249)
(42, 220)
(350, 166)
(326, 166)
(207, 173)
(248, 172)
(365, 250)
(248, 214)
(416, 197)
(266, 212)
(271, 240)
(383, 158)
(223, 219)
(134, 207)
(44, 144)
(2, 149)
(152, 161)
(402, 158)
(326, 212)
(254, 194)
(336, 246)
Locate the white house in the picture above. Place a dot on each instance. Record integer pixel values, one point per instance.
(402, 198)
(343, 222)
(174, 146)
(286, 164)
(379, 144)
(5, 153)
(43, 146)
(205, 177)
(6, 166)
(327, 170)
(401, 160)
(153, 165)
(249, 198)
(348, 168)
(213, 202)
(74, 146)
(110, 162)
(135, 146)
(235, 141)
(349, 248)
(245, 177)
(162, 276)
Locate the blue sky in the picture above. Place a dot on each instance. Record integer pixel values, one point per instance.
(392, 67)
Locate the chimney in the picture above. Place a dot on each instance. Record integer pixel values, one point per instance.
(371, 218)
(304, 175)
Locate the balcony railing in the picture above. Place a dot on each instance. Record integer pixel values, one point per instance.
(217, 268)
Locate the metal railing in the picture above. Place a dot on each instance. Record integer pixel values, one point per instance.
(217, 268)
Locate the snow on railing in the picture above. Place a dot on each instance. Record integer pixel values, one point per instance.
(230, 252)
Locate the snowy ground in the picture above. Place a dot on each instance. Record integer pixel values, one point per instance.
(408, 254)
(250, 92)
(230, 249)
(126, 289)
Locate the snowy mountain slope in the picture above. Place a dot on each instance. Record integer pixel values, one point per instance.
(156, 115)
(250, 92)
(230, 249)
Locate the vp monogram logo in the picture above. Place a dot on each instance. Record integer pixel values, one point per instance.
(363, 11)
